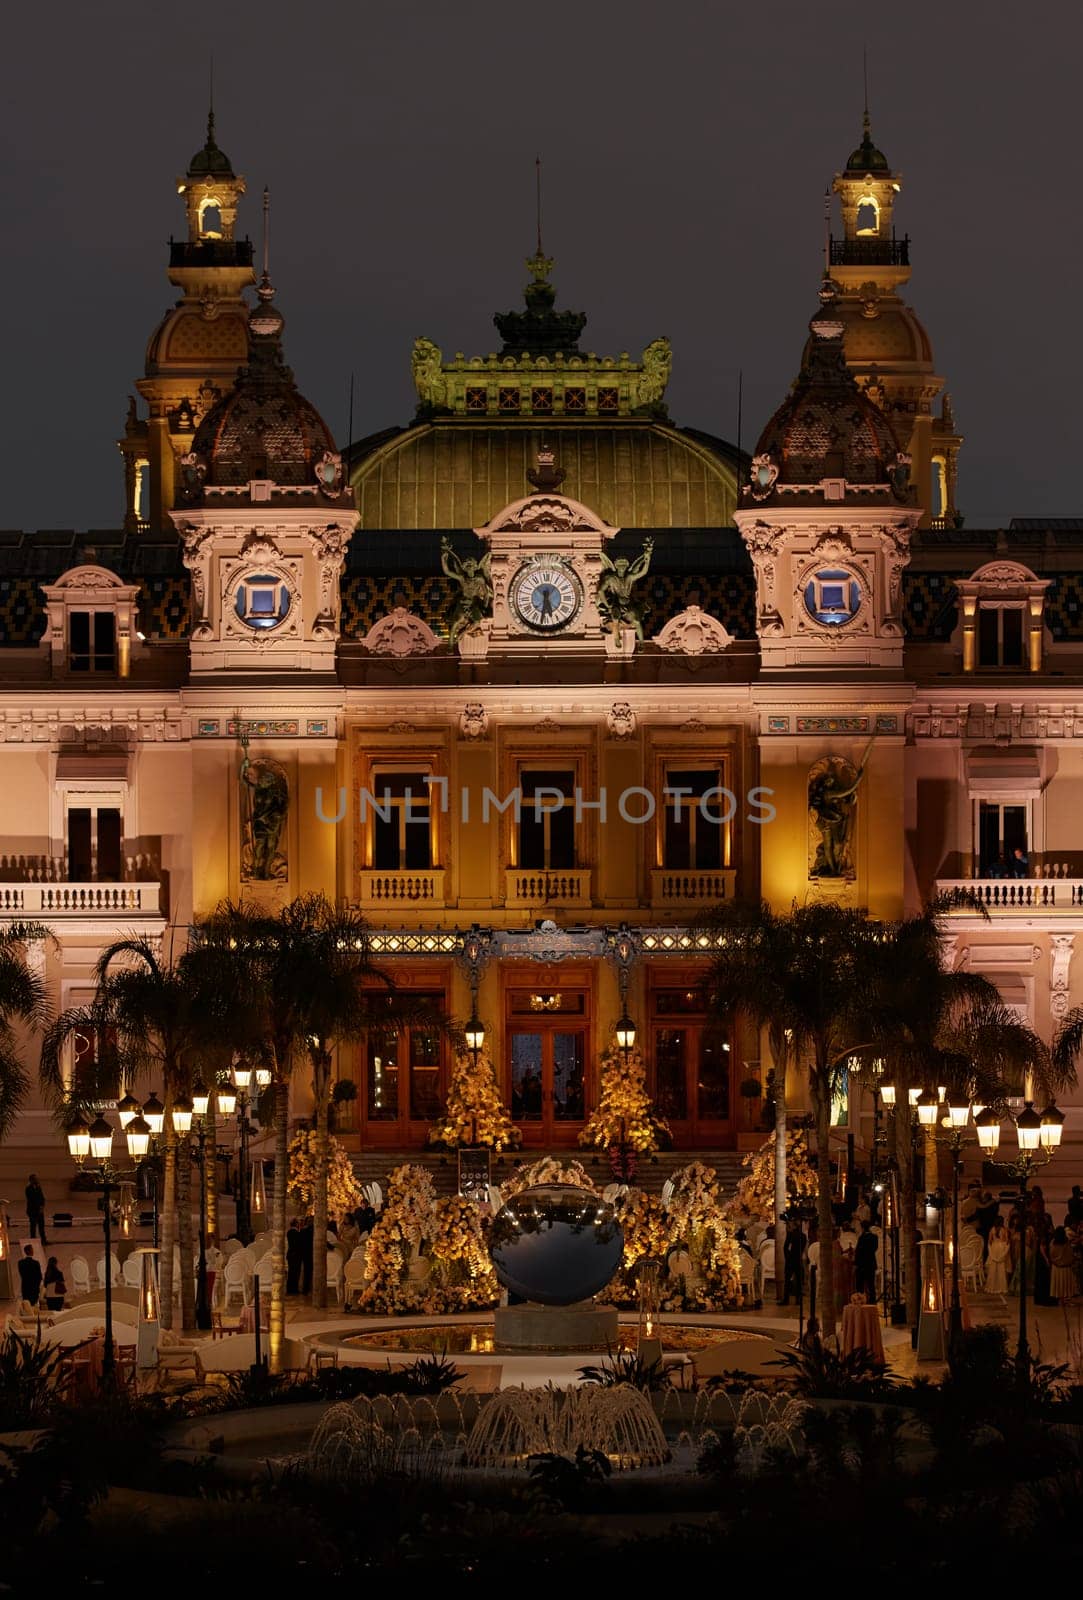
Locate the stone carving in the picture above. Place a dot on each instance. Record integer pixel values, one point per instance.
(832, 801)
(763, 477)
(693, 632)
(474, 642)
(197, 561)
(474, 600)
(650, 387)
(329, 474)
(547, 725)
(401, 633)
(429, 381)
(474, 720)
(331, 544)
(613, 596)
(1060, 963)
(265, 802)
(620, 719)
(541, 513)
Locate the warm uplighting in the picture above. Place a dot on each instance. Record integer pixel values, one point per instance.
(887, 1093)
(474, 1034)
(101, 1139)
(1028, 1128)
(988, 1125)
(79, 1139)
(1052, 1127)
(137, 1134)
(626, 1033)
(958, 1111)
(201, 1098)
(928, 1107)
(227, 1100)
(154, 1112)
(242, 1075)
(127, 1109)
(182, 1114)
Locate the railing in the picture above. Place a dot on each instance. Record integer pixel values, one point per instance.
(557, 887)
(671, 886)
(80, 899)
(210, 252)
(1020, 894)
(871, 252)
(403, 888)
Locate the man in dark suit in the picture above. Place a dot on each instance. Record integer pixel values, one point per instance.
(793, 1256)
(29, 1276)
(865, 1263)
(35, 1208)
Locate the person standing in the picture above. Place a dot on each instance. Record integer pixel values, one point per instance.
(865, 1263)
(55, 1287)
(1062, 1286)
(294, 1256)
(307, 1250)
(35, 1209)
(996, 1266)
(29, 1276)
(1075, 1206)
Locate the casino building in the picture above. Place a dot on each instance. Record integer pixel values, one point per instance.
(539, 676)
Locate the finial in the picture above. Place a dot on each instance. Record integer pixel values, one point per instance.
(265, 290)
(210, 108)
(537, 188)
(546, 476)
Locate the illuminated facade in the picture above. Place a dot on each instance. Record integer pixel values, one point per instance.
(540, 677)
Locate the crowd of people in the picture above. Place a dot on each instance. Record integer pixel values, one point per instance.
(1029, 1250)
(344, 1236)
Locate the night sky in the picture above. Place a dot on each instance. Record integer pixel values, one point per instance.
(686, 149)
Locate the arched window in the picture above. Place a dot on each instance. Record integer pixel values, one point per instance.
(868, 216)
(210, 219)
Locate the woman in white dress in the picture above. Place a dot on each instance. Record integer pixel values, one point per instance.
(996, 1265)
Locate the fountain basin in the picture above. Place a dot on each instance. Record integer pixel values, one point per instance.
(557, 1329)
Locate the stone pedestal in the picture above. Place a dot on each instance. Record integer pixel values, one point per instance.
(572, 1328)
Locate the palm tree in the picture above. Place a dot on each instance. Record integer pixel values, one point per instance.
(935, 1027)
(298, 981)
(23, 998)
(800, 976)
(147, 1021)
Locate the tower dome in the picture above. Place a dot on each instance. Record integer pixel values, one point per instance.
(827, 432)
(209, 161)
(264, 429)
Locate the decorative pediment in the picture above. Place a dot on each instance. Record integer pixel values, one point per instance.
(401, 633)
(79, 582)
(1005, 578)
(693, 632)
(545, 513)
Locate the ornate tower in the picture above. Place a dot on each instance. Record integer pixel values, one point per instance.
(194, 353)
(887, 348)
(265, 515)
(827, 516)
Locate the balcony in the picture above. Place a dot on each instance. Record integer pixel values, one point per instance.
(677, 886)
(414, 889)
(210, 252)
(871, 252)
(1019, 896)
(543, 888)
(118, 901)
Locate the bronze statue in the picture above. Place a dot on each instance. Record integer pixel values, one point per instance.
(614, 597)
(832, 798)
(474, 600)
(265, 803)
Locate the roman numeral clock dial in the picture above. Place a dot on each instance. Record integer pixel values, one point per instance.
(545, 595)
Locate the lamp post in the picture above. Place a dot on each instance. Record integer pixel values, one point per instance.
(1038, 1138)
(200, 1102)
(95, 1142)
(474, 1034)
(955, 1121)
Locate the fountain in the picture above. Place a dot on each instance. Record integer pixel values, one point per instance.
(519, 1423)
(556, 1245)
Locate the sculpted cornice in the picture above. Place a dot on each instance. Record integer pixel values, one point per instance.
(1002, 721)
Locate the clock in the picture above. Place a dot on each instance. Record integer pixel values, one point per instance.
(545, 594)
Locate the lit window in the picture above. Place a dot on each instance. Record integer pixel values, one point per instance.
(401, 832)
(832, 597)
(695, 818)
(263, 601)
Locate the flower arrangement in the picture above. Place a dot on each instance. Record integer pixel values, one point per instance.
(474, 1114)
(548, 1170)
(343, 1190)
(697, 1218)
(623, 1117)
(754, 1198)
(426, 1254)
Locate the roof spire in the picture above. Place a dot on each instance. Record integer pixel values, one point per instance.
(210, 108)
(537, 187)
(865, 78)
(265, 289)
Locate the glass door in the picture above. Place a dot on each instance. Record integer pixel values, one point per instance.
(692, 1068)
(547, 1055)
(403, 1085)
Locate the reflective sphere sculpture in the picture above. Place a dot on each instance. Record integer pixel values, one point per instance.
(556, 1244)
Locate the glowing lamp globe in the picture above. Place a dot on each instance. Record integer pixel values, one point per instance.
(556, 1244)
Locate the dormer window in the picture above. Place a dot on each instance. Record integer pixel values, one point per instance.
(1002, 606)
(90, 622)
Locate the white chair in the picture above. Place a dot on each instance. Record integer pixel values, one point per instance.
(766, 1265)
(496, 1197)
(609, 1193)
(80, 1275)
(376, 1196)
(132, 1272)
(354, 1277)
(334, 1274)
(748, 1275)
(260, 1245)
(667, 1191)
(234, 1280)
(264, 1272)
(114, 1270)
(970, 1264)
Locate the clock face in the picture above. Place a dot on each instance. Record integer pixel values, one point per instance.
(545, 595)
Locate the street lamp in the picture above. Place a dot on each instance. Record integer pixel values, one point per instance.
(127, 1108)
(1038, 1137)
(626, 1034)
(200, 1102)
(955, 1121)
(242, 1078)
(94, 1142)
